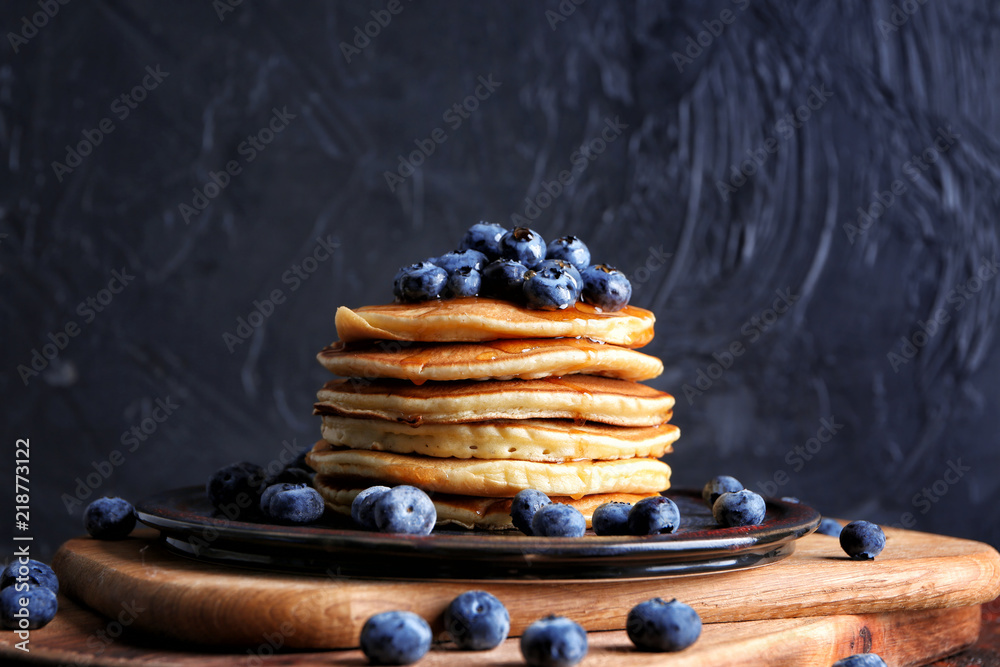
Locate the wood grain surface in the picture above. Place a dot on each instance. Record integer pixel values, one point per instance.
(79, 636)
(209, 604)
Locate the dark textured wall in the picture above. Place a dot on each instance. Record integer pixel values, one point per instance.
(899, 107)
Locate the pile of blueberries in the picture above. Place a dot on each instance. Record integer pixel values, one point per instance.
(478, 621)
(516, 265)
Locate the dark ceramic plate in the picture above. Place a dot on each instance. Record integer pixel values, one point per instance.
(190, 526)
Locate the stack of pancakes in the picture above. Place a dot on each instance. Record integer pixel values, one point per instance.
(474, 399)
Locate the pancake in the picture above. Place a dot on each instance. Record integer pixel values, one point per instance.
(549, 440)
(494, 479)
(578, 397)
(474, 319)
(465, 511)
(497, 360)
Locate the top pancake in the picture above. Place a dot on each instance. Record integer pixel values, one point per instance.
(474, 319)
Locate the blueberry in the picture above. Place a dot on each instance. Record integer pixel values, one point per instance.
(558, 520)
(405, 509)
(862, 540)
(484, 237)
(235, 485)
(716, 486)
(571, 249)
(422, 281)
(460, 259)
(656, 625)
(523, 245)
(524, 506)
(568, 268)
(504, 279)
(829, 527)
(463, 282)
(611, 519)
(739, 508)
(551, 288)
(477, 621)
(655, 515)
(363, 506)
(42, 605)
(606, 287)
(861, 660)
(33, 573)
(554, 641)
(292, 503)
(395, 638)
(109, 518)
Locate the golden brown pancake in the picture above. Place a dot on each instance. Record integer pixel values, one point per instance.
(465, 511)
(495, 479)
(498, 360)
(479, 319)
(578, 397)
(550, 440)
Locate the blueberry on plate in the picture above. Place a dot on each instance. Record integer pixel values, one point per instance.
(460, 259)
(558, 520)
(568, 268)
(34, 573)
(718, 485)
(277, 487)
(656, 515)
(237, 485)
(862, 540)
(41, 606)
(299, 504)
(554, 641)
(109, 518)
(395, 638)
(405, 509)
(656, 625)
(504, 279)
(363, 507)
(551, 288)
(523, 508)
(463, 282)
(422, 281)
(829, 527)
(477, 621)
(611, 519)
(739, 508)
(571, 249)
(606, 287)
(484, 237)
(861, 660)
(523, 245)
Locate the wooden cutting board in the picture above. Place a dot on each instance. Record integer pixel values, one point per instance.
(211, 604)
(79, 636)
